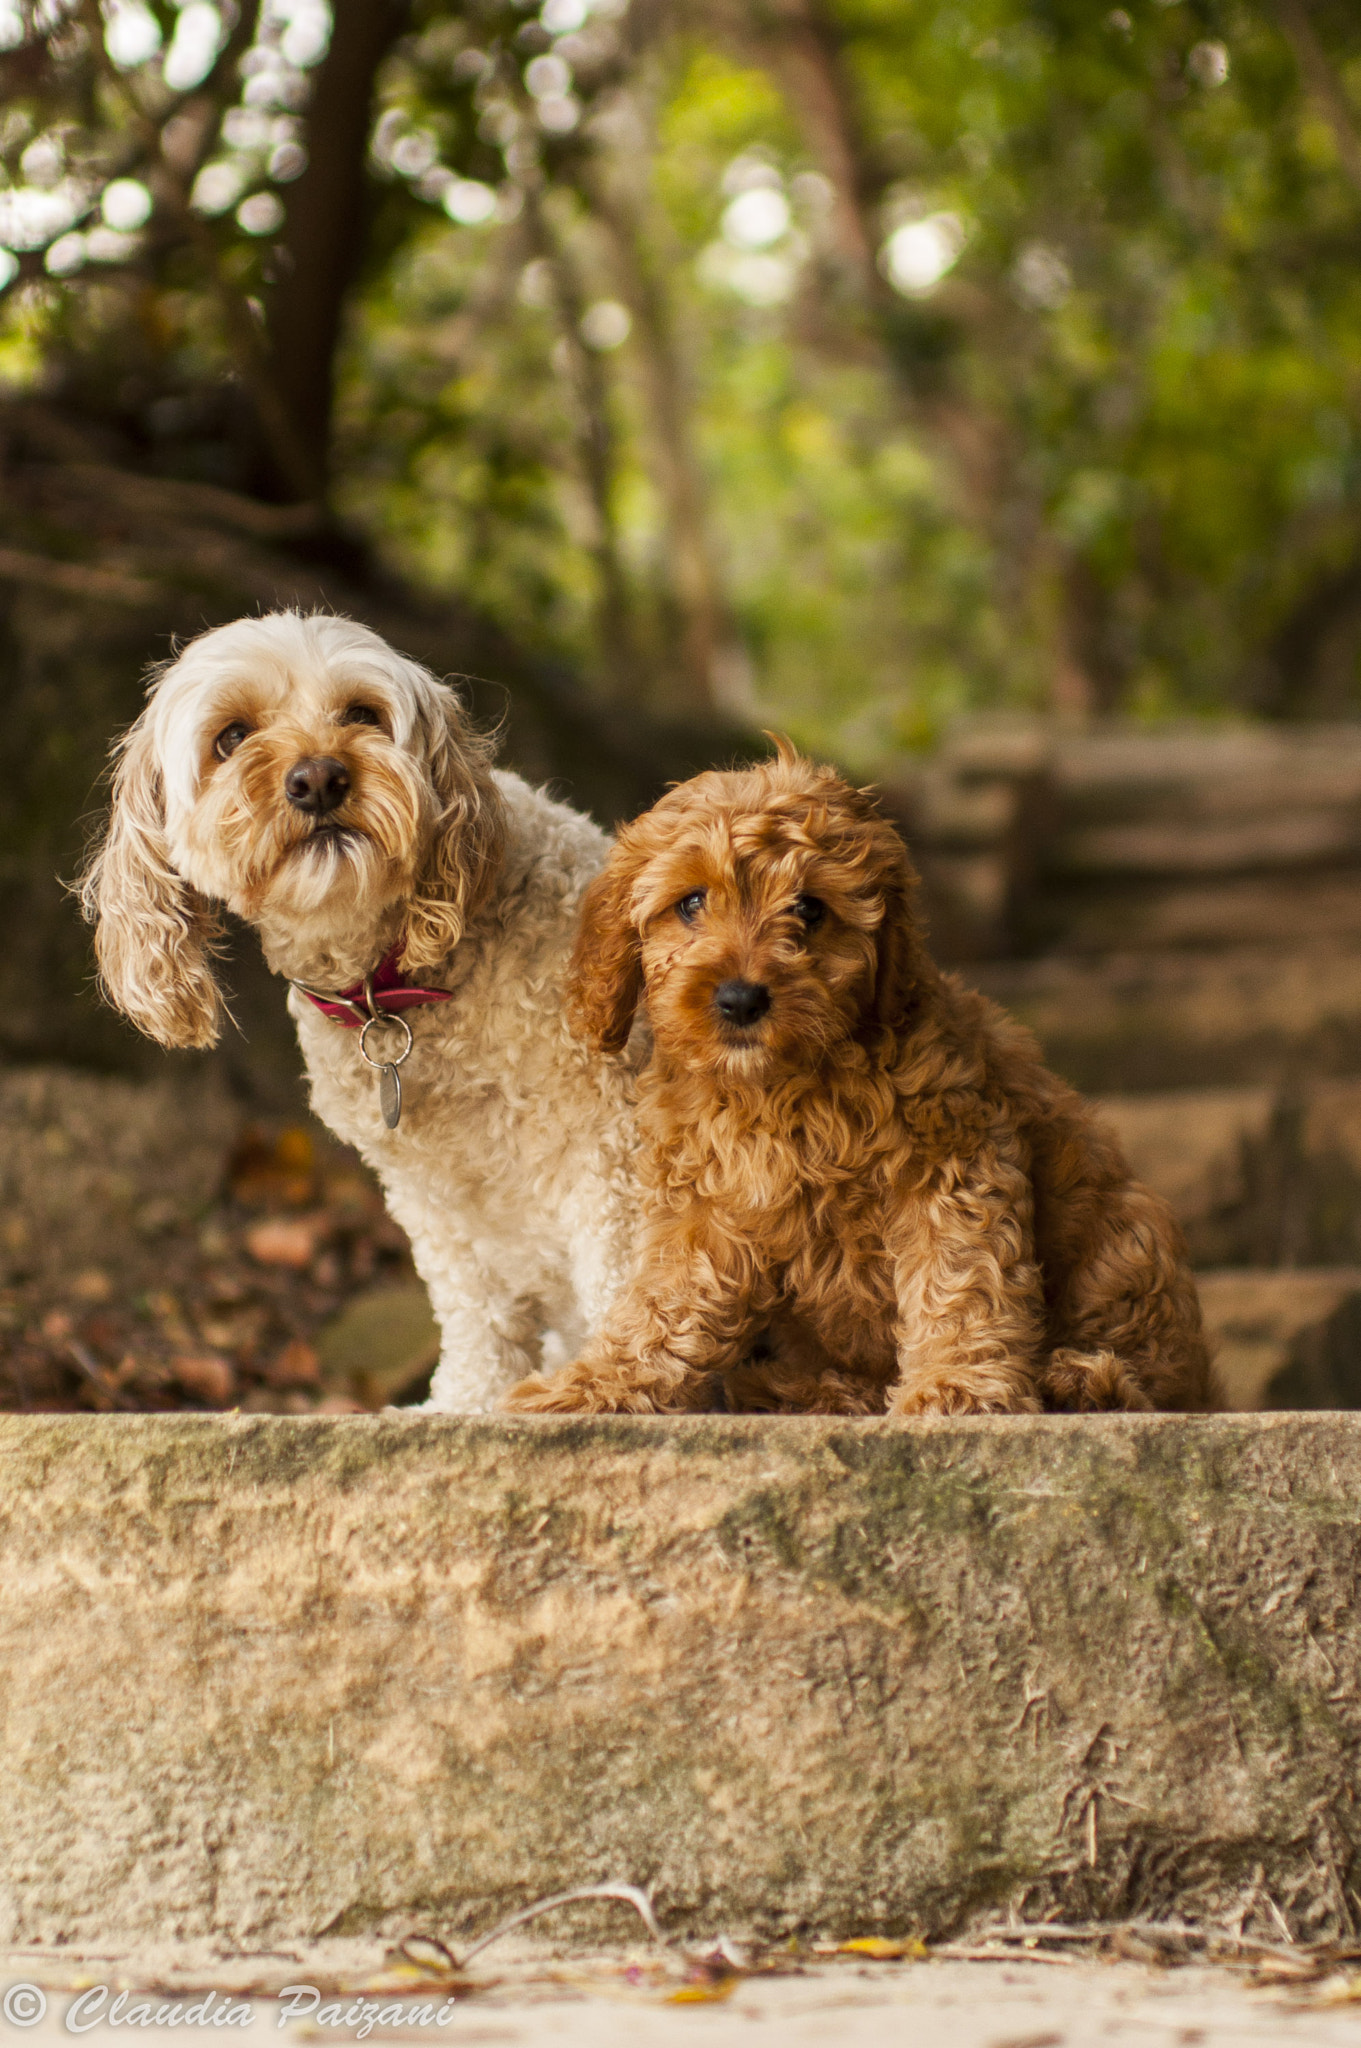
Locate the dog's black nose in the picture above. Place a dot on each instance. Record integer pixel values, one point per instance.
(741, 1002)
(318, 784)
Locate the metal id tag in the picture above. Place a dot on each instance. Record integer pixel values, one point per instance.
(390, 1096)
(389, 1080)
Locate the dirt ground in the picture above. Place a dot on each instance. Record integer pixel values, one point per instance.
(635, 1997)
(160, 1249)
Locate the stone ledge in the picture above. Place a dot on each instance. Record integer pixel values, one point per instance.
(266, 1679)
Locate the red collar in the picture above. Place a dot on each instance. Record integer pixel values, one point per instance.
(392, 993)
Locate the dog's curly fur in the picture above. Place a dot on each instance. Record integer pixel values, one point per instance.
(877, 1179)
(512, 1170)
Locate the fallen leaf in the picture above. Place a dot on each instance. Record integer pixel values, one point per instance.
(1338, 1991)
(290, 1241)
(262, 1175)
(704, 1994)
(296, 1366)
(405, 1978)
(208, 1378)
(881, 1950)
(294, 1151)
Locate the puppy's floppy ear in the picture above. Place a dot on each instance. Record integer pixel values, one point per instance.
(467, 837)
(903, 968)
(605, 980)
(155, 936)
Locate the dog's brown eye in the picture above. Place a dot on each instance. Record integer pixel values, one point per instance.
(230, 738)
(811, 909)
(360, 714)
(689, 907)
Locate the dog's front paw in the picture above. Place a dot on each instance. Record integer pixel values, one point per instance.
(959, 1397)
(561, 1393)
(1079, 1382)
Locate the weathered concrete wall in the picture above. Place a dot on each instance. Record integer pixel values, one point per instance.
(263, 1678)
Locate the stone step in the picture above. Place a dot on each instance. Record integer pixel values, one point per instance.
(1286, 1340)
(265, 1679)
(1131, 1021)
(1033, 838)
(1189, 914)
(1257, 1176)
(1301, 837)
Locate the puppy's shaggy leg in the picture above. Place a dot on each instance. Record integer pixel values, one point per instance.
(1132, 1298)
(689, 1314)
(970, 1303)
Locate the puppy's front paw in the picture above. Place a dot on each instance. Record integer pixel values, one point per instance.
(560, 1393)
(958, 1397)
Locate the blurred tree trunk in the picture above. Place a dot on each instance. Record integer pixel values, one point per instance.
(801, 46)
(324, 234)
(596, 443)
(713, 662)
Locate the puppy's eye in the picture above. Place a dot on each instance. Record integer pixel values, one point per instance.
(230, 738)
(689, 907)
(360, 714)
(810, 909)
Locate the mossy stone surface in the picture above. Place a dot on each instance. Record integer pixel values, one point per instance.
(265, 1678)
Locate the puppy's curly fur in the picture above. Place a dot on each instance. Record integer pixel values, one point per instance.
(862, 1169)
(512, 1169)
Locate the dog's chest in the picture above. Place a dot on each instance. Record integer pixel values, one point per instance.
(806, 1206)
(473, 1093)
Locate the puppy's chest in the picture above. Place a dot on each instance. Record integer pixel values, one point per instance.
(794, 1199)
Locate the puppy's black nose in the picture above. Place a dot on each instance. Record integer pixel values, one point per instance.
(318, 784)
(741, 1002)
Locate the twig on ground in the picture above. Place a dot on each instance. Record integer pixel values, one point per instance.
(628, 1894)
(982, 1952)
(96, 1374)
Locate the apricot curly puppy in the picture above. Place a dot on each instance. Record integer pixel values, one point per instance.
(851, 1159)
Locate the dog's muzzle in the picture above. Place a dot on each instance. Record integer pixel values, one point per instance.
(741, 1002)
(319, 784)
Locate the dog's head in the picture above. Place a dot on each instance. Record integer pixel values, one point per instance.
(768, 913)
(301, 772)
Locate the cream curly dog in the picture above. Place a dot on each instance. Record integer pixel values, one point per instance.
(847, 1152)
(331, 793)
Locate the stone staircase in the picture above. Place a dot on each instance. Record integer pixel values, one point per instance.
(1177, 915)
(1036, 838)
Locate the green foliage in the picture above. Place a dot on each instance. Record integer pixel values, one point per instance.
(1109, 456)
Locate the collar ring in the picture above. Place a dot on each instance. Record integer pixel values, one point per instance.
(384, 1017)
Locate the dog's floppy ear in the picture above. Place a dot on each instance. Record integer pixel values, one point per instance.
(467, 838)
(902, 964)
(155, 936)
(606, 976)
